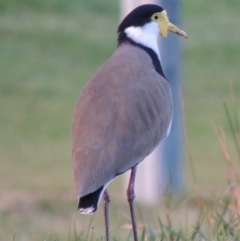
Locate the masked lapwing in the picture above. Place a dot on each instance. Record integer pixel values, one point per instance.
(123, 112)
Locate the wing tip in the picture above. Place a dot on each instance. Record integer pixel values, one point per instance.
(88, 204)
(87, 210)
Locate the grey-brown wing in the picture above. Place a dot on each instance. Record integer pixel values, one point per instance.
(117, 122)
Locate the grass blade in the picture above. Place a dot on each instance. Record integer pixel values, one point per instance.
(233, 129)
(150, 231)
(89, 227)
(143, 234)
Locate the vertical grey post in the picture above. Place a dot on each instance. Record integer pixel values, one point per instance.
(172, 148)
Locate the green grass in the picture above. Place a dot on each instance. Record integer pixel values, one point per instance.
(211, 60)
(49, 49)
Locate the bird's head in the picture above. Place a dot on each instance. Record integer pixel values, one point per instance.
(146, 21)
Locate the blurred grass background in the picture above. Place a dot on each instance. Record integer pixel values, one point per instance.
(49, 49)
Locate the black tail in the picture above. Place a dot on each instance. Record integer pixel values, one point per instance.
(88, 204)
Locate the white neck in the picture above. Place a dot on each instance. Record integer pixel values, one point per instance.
(146, 35)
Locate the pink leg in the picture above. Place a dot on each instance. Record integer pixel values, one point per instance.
(106, 201)
(131, 196)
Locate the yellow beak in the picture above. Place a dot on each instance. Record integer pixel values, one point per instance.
(165, 25)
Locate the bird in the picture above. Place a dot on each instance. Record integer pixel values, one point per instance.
(123, 112)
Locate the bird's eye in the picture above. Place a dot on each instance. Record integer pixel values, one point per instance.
(156, 17)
